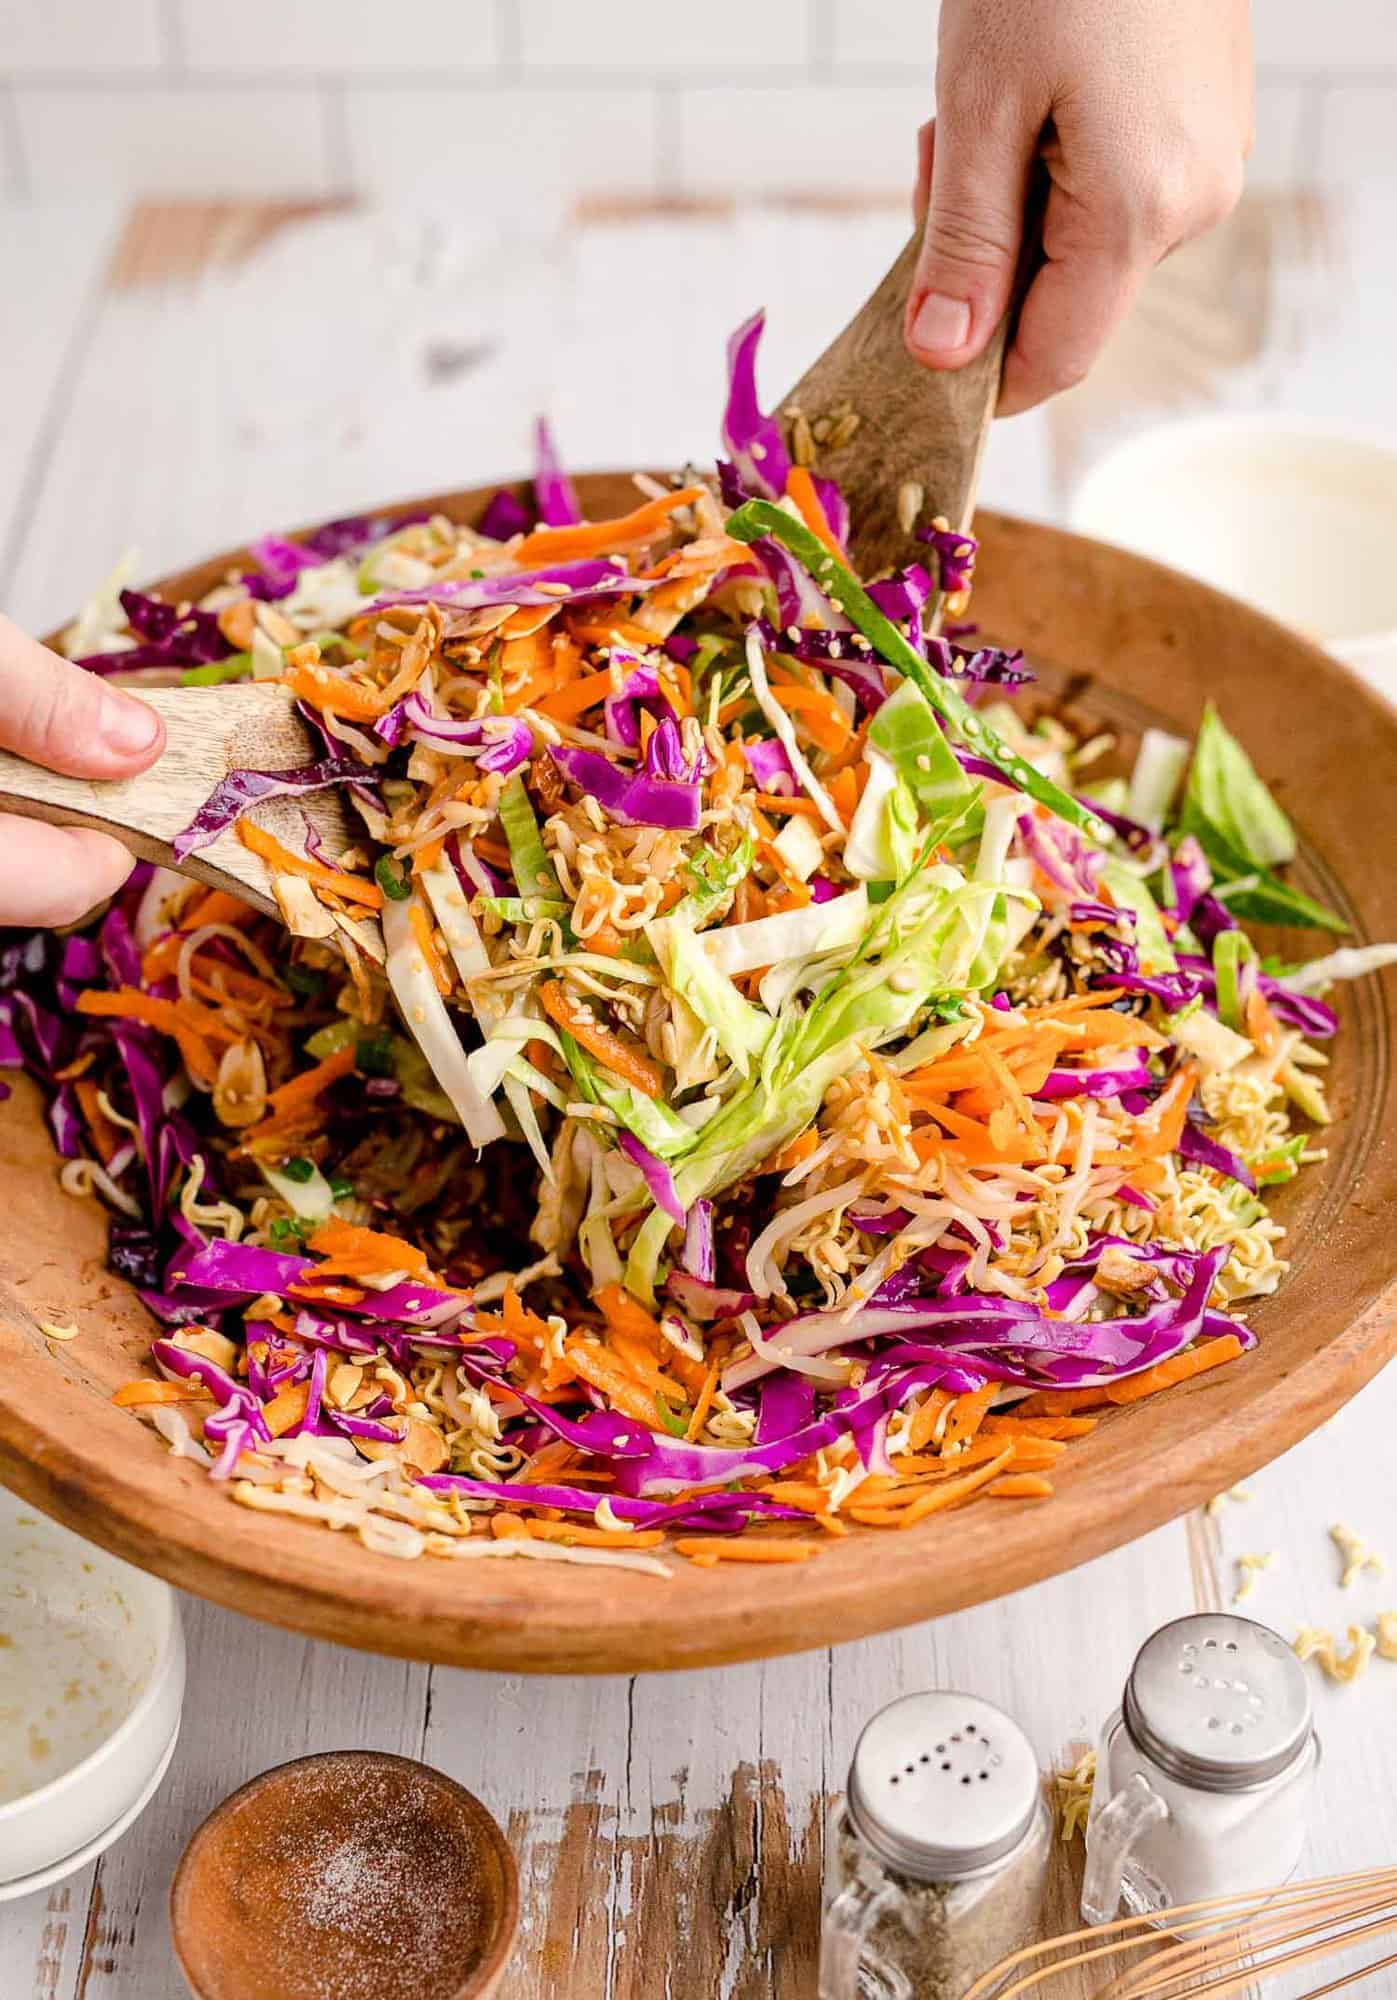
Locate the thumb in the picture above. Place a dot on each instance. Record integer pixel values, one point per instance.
(970, 241)
(60, 716)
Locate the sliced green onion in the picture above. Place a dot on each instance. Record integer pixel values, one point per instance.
(297, 1170)
(757, 518)
(214, 673)
(392, 879)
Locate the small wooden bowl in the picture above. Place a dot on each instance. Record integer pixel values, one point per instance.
(350, 1876)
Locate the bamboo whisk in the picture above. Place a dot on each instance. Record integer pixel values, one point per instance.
(1210, 1950)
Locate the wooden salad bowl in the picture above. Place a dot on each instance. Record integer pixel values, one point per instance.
(1118, 642)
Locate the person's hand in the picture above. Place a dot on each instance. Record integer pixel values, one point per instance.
(57, 715)
(1142, 111)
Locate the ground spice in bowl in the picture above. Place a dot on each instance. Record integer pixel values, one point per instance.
(352, 1876)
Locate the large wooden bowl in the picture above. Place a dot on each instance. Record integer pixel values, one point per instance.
(1118, 640)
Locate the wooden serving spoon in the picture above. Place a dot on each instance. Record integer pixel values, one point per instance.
(914, 454)
(915, 451)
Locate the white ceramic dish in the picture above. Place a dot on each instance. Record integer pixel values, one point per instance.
(91, 1686)
(1298, 522)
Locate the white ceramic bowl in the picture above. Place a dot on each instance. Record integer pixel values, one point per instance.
(91, 1684)
(1296, 521)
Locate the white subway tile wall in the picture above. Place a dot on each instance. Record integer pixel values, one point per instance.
(572, 97)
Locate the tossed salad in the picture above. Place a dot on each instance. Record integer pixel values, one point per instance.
(747, 1079)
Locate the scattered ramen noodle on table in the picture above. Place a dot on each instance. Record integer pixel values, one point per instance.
(748, 1078)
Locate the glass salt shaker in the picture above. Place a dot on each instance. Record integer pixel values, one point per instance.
(937, 1857)
(1204, 1773)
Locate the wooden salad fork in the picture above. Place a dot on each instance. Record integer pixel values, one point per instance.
(914, 454)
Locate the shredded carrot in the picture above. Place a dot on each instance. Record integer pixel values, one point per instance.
(925, 1418)
(944, 1493)
(593, 538)
(1039, 1427)
(508, 1528)
(567, 704)
(843, 789)
(801, 488)
(826, 724)
(325, 1292)
(292, 1100)
(1158, 1130)
(216, 906)
(776, 802)
(106, 1137)
(626, 1314)
(704, 1403)
(1183, 1367)
(287, 1407)
(620, 1388)
(967, 1414)
(1020, 1486)
(373, 1250)
(426, 944)
(428, 856)
(350, 888)
(798, 1149)
(629, 1064)
(567, 1533)
(185, 1021)
(131, 1395)
(707, 1550)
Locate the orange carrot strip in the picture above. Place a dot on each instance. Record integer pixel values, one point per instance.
(1061, 1402)
(216, 906)
(967, 1414)
(593, 1538)
(843, 789)
(925, 1418)
(620, 1388)
(131, 1395)
(1183, 1367)
(1020, 1486)
(946, 1493)
(798, 1149)
(306, 1086)
(332, 694)
(376, 1248)
(706, 1550)
(775, 802)
(1158, 1130)
(106, 1137)
(627, 1314)
(704, 1403)
(286, 1408)
(1039, 1427)
(825, 721)
(593, 538)
(801, 488)
(632, 1067)
(567, 704)
(351, 888)
(426, 944)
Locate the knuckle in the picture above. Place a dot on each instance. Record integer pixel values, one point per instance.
(970, 239)
(53, 719)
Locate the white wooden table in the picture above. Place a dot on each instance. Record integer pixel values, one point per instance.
(177, 380)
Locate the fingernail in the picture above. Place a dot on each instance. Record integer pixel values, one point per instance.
(941, 324)
(126, 726)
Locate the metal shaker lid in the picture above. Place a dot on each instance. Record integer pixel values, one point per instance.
(1218, 1702)
(942, 1785)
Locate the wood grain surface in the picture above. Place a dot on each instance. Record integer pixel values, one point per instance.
(209, 731)
(916, 448)
(667, 1829)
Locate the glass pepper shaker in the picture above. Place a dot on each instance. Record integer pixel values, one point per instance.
(937, 1857)
(1204, 1772)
